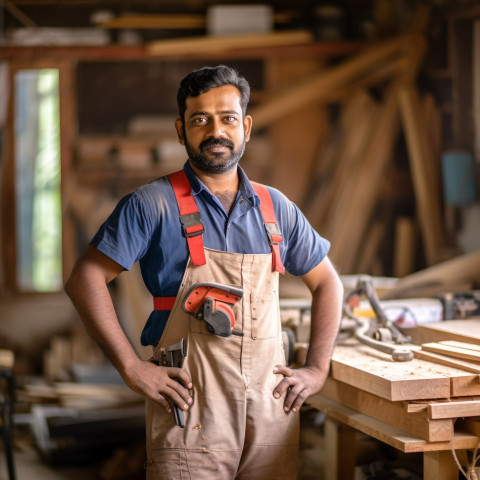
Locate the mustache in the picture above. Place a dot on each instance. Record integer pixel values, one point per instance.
(214, 142)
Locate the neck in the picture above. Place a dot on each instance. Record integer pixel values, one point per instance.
(223, 185)
(219, 182)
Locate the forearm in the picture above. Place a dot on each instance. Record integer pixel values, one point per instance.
(87, 288)
(325, 320)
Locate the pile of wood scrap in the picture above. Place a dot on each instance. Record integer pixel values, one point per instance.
(80, 410)
(75, 423)
(70, 436)
(355, 170)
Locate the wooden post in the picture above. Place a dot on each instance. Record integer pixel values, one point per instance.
(339, 451)
(439, 465)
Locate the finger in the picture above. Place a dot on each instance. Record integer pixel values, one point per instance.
(178, 399)
(163, 402)
(174, 372)
(185, 379)
(176, 385)
(294, 399)
(282, 387)
(283, 370)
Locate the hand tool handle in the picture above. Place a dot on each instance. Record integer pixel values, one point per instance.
(177, 411)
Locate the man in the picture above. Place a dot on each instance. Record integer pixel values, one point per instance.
(209, 224)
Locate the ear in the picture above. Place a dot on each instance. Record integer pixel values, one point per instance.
(179, 129)
(247, 125)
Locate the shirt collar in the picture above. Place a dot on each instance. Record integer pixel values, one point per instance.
(246, 189)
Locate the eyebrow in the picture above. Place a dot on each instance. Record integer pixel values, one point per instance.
(222, 112)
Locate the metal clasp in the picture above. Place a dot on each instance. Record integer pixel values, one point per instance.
(192, 220)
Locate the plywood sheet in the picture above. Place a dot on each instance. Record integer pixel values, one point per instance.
(376, 372)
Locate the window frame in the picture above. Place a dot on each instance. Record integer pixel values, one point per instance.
(67, 109)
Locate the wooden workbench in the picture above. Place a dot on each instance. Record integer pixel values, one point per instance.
(412, 406)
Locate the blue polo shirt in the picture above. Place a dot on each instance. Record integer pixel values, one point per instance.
(145, 227)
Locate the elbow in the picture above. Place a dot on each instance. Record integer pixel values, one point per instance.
(68, 285)
(340, 287)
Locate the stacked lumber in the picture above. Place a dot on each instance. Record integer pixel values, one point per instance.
(354, 172)
(412, 406)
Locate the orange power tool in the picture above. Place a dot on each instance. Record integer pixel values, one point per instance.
(212, 303)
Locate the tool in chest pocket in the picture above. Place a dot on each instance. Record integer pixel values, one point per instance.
(212, 303)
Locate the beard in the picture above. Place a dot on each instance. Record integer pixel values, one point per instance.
(221, 162)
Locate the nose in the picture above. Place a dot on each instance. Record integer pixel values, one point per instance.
(216, 128)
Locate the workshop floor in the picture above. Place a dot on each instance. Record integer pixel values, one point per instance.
(30, 466)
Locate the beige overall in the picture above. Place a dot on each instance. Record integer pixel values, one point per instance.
(235, 428)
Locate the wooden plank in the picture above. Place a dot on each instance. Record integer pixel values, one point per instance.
(463, 386)
(392, 413)
(163, 21)
(320, 86)
(465, 345)
(112, 52)
(376, 372)
(415, 406)
(168, 21)
(452, 351)
(426, 202)
(292, 136)
(448, 361)
(442, 277)
(372, 244)
(467, 331)
(386, 433)
(404, 254)
(442, 410)
(341, 156)
(359, 194)
(203, 44)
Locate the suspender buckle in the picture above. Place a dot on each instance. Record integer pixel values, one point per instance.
(274, 234)
(192, 224)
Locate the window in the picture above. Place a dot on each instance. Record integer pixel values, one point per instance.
(38, 219)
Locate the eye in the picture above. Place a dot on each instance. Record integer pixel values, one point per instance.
(230, 119)
(200, 120)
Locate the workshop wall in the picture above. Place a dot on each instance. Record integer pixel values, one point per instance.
(391, 89)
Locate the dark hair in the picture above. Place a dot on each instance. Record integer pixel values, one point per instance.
(204, 79)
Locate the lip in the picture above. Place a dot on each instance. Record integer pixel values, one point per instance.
(217, 148)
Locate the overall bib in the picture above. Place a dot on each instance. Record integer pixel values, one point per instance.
(235, 428)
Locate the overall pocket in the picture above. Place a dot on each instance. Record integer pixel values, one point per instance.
(264, 311)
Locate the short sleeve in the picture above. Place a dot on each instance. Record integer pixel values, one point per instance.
(126, 234)
(303, 247)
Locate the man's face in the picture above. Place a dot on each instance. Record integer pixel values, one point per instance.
(215, 132)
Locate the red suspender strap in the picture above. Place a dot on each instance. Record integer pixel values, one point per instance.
(271, 226)
(189, 216)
